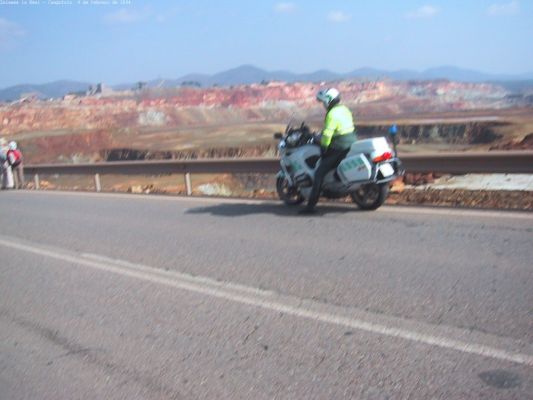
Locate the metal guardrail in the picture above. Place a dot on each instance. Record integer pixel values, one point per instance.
(504, 162)
(453, 163)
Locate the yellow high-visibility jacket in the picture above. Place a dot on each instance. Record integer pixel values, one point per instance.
(338, 129)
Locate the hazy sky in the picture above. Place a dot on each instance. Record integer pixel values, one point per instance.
(142, 40)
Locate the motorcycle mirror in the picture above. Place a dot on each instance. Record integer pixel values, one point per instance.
(393, 130)
(278, 135)
(289, 125)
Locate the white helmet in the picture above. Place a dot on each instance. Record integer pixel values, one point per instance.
(12, 145)
(327, 96)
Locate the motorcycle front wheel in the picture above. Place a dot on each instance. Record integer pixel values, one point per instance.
(370, 196)
(289, 194)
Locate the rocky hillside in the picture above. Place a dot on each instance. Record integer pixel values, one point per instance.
(174, 121)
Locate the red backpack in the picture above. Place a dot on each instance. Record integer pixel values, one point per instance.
(14, 157)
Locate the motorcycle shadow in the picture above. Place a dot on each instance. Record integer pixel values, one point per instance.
(244, 209)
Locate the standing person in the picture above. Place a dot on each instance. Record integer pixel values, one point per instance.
(6, 174)
(337, 137)
(14, 158)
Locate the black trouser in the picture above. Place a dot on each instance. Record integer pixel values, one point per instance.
(329, 161)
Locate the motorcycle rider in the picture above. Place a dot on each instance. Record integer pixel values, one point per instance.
(337, 137)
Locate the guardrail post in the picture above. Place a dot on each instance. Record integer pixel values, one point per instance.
(97, 182)
(188, 185)
(36, 181)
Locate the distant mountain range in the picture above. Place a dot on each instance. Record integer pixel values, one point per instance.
(47, 90)
(247, 74)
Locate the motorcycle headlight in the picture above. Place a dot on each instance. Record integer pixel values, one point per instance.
(282, 144)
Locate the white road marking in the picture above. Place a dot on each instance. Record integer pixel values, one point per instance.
(178, 275)
(432, 211)
(266, 300)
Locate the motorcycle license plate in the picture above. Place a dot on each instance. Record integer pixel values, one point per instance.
(386, 170)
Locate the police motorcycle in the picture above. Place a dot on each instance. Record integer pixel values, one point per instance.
(364, 174)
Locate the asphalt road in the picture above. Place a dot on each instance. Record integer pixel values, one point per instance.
(144, 297)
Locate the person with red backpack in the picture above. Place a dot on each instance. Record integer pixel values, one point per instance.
(14, 158)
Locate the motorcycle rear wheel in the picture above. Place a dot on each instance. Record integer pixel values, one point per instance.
(290, 195)
(370, 196)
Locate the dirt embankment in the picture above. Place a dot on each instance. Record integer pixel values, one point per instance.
(489, 199)
(263, 187)
(103, 145)
(82, 147)
(471, 133)
(220, 118)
